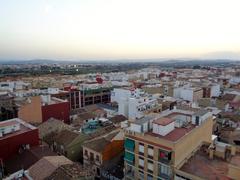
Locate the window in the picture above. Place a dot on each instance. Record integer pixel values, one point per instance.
(86, 152)
(97, 158)
(149, 177)
(129, 171)
(98, 171)
(164, 156)
(150, 152)
(91, 156)
(197, 120)
(141, 148)
(150, 166)
(164, 171)
(141, 175)
(141, 162)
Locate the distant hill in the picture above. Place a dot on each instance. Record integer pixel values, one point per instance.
(164, 61)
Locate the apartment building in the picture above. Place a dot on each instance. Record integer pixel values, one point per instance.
(157, 145)
(39, 109)
(81, 96)
(211, 90)
(16, 136)
(191, 94)
(134, 103)
(164, 88)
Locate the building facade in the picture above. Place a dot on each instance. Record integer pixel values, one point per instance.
(15, 136)
(163, 144)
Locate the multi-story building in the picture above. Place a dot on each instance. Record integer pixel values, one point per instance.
(13, 85)
(211, 90)
(163, 88)
(134, 103)
(191, 94)
(82, 96)
(157, 145)
(39, 109)
(15, 136)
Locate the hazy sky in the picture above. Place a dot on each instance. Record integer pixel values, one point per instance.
(99, 29)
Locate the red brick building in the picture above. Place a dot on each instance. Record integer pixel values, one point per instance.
(15, 136)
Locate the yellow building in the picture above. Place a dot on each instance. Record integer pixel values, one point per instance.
(160, 146)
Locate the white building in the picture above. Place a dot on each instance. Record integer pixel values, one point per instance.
(215, 90)
(13, 85)
(133, 103)
(187, 93)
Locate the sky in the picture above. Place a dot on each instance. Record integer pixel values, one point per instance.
(119, 29)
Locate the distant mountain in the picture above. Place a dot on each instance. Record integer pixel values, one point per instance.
(179, 61)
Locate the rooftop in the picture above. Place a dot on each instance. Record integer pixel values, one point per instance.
(176, 134)
(46, 166)
(8, 123)
(99, 144)
(228, 97)
(24, 127)
(70, 171)
(27, 158)
(200, 165)
(163, 121)
(118, 118)
(65, 137)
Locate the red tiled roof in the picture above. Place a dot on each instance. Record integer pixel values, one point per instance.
(163, 121)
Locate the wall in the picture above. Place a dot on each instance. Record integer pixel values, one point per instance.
(215, 90)
(59, 111)
(10, 146)
(197, 95)
(123, 107)
(185, 146)
(153, 90)
(31, 112)
(118, 94)
(112, 150)
(132, 108)
(163, 130)
(135, 127)
(233, 171)
(177, 92)
(187, 94)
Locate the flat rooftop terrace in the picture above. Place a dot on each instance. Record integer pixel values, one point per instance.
(200, 165)
(176, 134)
(24, 127)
